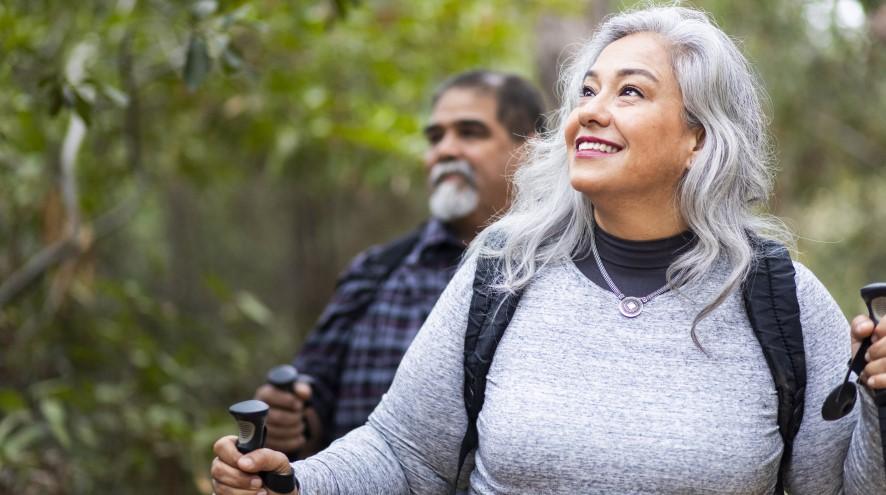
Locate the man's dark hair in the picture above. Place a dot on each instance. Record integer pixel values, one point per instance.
(519, 105)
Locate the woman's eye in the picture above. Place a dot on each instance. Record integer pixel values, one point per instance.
(587, 91)
(631, 91)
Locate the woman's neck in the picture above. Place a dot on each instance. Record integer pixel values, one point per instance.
(634, 223)
(637, 268)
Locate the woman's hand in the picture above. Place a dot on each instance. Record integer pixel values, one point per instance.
(236, 474)
(874, 374)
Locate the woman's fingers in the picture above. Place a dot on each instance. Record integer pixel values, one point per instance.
(861, 328)
(228, 478)
(874, 374)
(265, 460)
(237, 474)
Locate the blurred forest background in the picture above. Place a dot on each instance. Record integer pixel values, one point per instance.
(180, 183)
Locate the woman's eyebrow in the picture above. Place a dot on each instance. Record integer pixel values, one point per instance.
(626, 72)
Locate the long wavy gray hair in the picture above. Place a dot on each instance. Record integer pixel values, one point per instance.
(731, 175)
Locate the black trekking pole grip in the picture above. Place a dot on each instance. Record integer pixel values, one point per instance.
(842, 399)
(874, 296)
(251, 416)
(283, 377)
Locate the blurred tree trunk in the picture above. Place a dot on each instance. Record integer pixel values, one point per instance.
(185, 253)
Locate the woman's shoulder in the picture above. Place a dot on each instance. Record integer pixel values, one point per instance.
(820, 315)
(809, 287)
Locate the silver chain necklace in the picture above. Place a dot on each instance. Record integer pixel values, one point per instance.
(629, 306)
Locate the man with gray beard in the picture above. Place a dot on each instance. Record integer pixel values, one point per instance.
(478, 123)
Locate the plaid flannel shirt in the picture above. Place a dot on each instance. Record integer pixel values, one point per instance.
(352, 355)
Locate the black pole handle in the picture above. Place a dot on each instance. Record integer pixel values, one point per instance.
(874, 296)
(283, 377)
(842, 399)
(251, 416)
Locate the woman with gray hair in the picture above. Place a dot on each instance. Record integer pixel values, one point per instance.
(630, 364)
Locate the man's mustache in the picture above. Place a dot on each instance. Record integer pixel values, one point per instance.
(458, 167)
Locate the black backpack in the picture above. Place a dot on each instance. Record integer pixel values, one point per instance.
(770, 297)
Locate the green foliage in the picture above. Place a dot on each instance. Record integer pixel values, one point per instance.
(236, 140)
(237, 153)
(826, 88)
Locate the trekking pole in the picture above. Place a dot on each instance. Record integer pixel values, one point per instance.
(842, 399)
(874, 296)
(251, 416)
(283, 377)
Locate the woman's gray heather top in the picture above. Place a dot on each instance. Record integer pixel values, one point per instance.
(580, 399)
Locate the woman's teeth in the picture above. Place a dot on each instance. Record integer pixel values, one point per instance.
(588, 145)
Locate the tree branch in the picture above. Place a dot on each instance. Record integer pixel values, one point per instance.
(76, 239)
(35, 266)
(68, 179)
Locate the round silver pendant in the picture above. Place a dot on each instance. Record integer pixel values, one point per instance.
(630, 306)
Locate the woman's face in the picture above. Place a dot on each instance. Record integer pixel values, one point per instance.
(627, 139)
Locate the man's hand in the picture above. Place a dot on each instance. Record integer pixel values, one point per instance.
(286, 418)
(236, 474)
(874, 374)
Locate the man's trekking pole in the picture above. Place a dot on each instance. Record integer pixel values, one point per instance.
(283, 377)
(250, 416)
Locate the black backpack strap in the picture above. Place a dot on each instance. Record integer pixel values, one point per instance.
(379, 267)
(770, 297)
(490, 313)
(390, 256)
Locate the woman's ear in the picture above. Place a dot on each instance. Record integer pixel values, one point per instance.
(697, 145)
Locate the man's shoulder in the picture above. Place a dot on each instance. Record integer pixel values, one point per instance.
(380, 259)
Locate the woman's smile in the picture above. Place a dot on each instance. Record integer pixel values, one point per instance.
(593, 147)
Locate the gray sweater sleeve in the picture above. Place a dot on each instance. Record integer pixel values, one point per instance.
(842, 456)
(411, 441)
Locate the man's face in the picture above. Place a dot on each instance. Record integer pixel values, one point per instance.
(469, 159)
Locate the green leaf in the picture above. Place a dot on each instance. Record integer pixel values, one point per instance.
(231, 60)
(341, 8)
(55, 96)
(198, 63)
(11, 400)
(69, 96)
(83, 108)
(203, 8)
(113, 94)
(15, 446)
(252, 308)
(86, 433)
(55, 417)
(242, 14)
(9, 423)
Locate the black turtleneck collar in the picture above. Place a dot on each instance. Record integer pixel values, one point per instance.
(638, 268)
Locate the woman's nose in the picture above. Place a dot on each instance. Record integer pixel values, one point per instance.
(594, 111)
